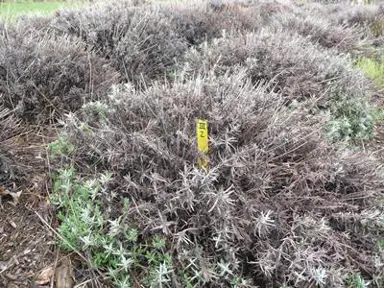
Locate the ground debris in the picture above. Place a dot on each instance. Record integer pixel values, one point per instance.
(64, 274)
(44, 276)
(15, 196)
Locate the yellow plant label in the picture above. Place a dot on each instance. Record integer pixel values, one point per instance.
(202, 144)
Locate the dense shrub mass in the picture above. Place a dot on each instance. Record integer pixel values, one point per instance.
(284, 202)
(140, 43)
(198, 23)
(279, 205)
(356, 15)
(369, 17)
(320, 30)
(298, 70)
(144, 42)
(42, 76)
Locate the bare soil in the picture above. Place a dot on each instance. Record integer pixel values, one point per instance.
(26, 246)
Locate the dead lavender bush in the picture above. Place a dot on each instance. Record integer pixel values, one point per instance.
(368, 19)
(352, 15)
(297, 69)
(145, 42)
(140, 42)
(198, 21)
(319, 29)
(9, 129)
(44, 76)
(279, 205)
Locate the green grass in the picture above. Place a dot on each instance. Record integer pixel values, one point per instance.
(356, 281)
(373, 70)
(11, 10)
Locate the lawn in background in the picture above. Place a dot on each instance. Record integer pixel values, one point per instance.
(12, 9)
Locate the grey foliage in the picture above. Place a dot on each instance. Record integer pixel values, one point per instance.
(49, 75)
(275, 196)
(299, 70)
